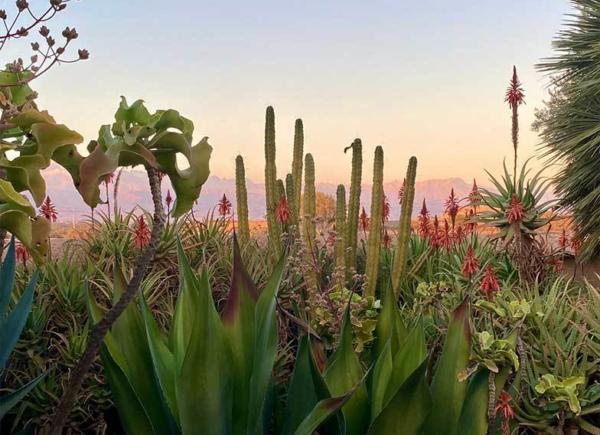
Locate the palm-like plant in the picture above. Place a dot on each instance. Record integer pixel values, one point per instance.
(569, 124)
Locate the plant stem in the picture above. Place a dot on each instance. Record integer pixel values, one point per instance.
(104, 325)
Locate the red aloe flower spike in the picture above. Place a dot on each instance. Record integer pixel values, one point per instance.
(490, 285)
(401, 192)
(48, 210)
(423, 219)
(471, 222)
(470, 263)
(224, 206)
(515, 210)
(446, 237)
(387, 239)
(434, 237)
(21, 253)
(282, 211)
(459, 234)
(452, 207)
(363, 220)
(141, 234)
(503, 406)
(514, 94)
(169, 199)
(385, 215)
(474, 196)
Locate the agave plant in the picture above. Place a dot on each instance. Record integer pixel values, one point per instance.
(12, 323)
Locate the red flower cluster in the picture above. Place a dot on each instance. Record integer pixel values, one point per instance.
(363, 220)
(503, 406)
(474, 196)
(423, 220)
(22, 253)
(452, 207)
(515, 211)
(169, 199)
(141, 234)
(470, 263)
(490, 285)
(224, 206)
(514, 94)
(48, 210)
(282, 211)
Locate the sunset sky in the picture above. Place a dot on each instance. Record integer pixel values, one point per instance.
(424, 78)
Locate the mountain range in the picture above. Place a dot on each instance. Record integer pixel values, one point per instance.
(133, 191)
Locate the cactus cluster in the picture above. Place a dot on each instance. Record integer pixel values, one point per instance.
(375, 225)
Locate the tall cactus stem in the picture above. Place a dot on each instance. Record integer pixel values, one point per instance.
(241, 195)
(290, 193)
(271, 185)
(340, 228)
(404, 227)
(351, 236)
(297, 161)
(309, 224)
(375, 224)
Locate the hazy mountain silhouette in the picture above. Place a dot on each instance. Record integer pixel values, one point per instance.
(133, 191)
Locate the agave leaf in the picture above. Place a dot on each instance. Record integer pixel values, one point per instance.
(239, 327)
(381, 376)
(12, 325)
(265, 348)
(447, 391)
(202, 387)
(321, 412)
(408, 409)
(343, 372)
(8, 401)
(7, 278)
(389, 324)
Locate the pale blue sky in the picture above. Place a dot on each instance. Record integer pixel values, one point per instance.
(419, 77)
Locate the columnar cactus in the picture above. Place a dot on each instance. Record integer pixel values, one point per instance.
(340, 227)
(297, 166)
(375, 224)
(404, 227)
(309, 224)
(290, 193)
(353, 206)
(271, 184)
(241, 195)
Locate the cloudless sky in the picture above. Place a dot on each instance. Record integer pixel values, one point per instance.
(419, 77)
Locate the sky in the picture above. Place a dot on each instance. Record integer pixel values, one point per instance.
(424, 78)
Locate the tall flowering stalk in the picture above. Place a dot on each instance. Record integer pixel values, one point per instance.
(224, 206)
(470, 263)
(452, 207)
(168, 201)
(423, 220)
(363, 221)
(141, 234)
(475, 196)
(490, 284)
(515, 97)
(282, 211)
(48, 210)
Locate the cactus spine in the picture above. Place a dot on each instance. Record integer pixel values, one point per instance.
(309, 224)
(375, 224)
(340, 227)
(404, 227)
(353, 206)
(271, 184)
(297, 167)
(241, 195)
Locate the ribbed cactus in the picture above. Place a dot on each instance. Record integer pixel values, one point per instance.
(271, 184)
(241, 196)
(375, 224)
(404, 227)
(290, 193)
(353, 206)
(297, 167)
(280, 191)
(309, 224)
(340, 228)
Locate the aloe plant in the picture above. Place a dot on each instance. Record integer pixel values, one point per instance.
(12, 323)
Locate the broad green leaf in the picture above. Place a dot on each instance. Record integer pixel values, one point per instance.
(7, 278)
(381, 377)
(342, 374)
(389, 324)
(408, 409)
(50, 137)
(321, 412)
(447, 391)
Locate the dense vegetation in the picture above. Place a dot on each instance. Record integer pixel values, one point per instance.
(344, 322)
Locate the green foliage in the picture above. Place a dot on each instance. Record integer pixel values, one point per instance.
(569, 127)
(375, 224)
(12, 323)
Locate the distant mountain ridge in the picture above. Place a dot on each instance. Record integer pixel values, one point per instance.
(133, 191)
